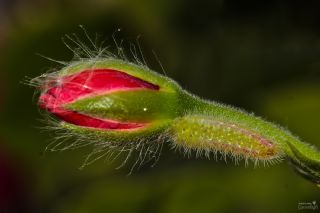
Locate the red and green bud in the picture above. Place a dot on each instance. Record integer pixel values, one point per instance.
(110, 98)
(123, 103)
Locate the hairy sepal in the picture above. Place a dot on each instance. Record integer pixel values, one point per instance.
(134, 105)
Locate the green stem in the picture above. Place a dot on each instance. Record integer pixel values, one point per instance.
(210, 126)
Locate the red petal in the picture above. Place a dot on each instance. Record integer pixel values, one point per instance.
(89, 83)
(87, 121)
(94, 82)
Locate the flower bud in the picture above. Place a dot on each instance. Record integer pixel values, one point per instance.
(123, 105)
(110, 97)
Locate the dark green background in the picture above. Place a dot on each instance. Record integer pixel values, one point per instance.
(263, 56)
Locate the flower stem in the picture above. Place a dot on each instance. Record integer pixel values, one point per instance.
(210, 126)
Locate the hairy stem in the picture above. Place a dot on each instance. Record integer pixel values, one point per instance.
(210, 126)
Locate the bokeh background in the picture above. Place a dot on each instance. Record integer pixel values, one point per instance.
(263, 56)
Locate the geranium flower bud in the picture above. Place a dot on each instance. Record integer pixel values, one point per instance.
(121, 104)
(110, 97)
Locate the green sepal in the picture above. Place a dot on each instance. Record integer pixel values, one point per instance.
(130, 106)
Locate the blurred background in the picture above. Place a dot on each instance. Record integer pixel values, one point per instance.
(262, 56)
